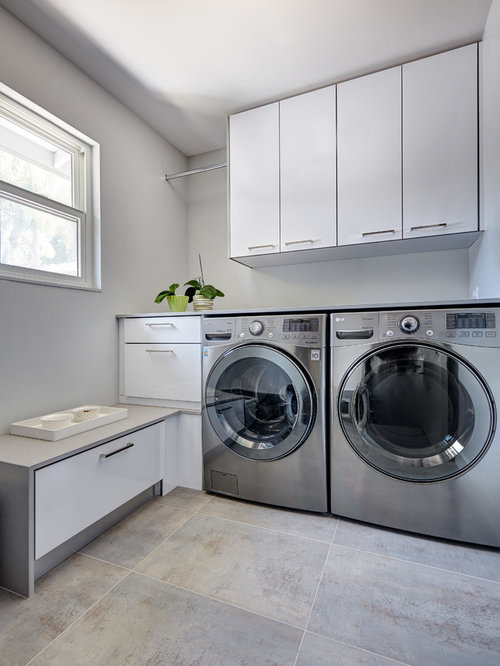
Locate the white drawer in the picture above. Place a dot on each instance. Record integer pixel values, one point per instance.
(164, 372)
(72, 494)
(162, 329)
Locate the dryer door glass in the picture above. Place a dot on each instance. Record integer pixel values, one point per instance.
(416, 412)
(260, 402)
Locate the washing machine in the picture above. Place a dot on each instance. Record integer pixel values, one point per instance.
(413, 439)
(263, 418)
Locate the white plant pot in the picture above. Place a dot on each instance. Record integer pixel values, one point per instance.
(201, 303)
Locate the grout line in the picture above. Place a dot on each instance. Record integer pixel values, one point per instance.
(220, 601)
(270, 529)
(78, 618)
(370, 652)
(164, 540)
(420, 564)
(314, 599)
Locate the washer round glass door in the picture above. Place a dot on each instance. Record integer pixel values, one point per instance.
(259, 402)
(416, 412)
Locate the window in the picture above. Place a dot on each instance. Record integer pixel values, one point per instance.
(49, 198)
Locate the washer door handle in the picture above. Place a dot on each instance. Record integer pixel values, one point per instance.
(360, 406)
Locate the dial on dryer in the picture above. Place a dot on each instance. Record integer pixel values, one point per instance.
(256, 327)
(409, 324)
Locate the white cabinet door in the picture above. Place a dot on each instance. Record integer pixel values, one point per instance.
(254, 181)
(72, 494)
(440, 169)
(369, 158)
(163, 372)
(308, 170)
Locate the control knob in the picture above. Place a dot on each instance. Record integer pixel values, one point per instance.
(256, 327)
(409, 324)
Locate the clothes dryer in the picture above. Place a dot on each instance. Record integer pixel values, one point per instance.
(263, 432)
(413, 431)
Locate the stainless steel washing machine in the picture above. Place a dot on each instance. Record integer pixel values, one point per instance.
(413, 440)
(263, 417)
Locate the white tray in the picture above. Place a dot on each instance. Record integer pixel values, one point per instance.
(34, 428)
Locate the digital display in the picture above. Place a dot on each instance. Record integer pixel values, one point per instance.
(470, 320)
(301, 325)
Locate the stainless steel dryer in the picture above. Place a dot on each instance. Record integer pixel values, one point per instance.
(264, 409)
(413, 440)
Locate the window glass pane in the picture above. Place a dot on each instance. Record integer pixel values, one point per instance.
(35, 164)
(33, 238)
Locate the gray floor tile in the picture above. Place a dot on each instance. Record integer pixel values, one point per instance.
(308, 525)
(321, 651)
(408, 612)
(186, 498)
(263, 571)
(61, 596)
(143, 621)
(132, 539)
(471, 560)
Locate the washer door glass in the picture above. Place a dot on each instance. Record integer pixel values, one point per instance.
(416, 412)
(259, 402)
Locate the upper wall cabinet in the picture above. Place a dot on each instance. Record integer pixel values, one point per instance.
(308, 170)
(384, 164)
(369, 158)
(254, 185)
(440, 150)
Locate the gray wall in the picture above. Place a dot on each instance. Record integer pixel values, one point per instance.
(485, 257)
(404, 278)
(58, 347)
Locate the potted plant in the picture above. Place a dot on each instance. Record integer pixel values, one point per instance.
(176, 302)
(200, 294)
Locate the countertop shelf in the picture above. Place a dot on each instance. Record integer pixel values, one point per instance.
(31, 453)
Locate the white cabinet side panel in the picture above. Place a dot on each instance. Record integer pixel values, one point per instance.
(254, 181)
(440, 169)
(369, 158)
(308, 170)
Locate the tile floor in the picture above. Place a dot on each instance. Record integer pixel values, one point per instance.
(193, 579)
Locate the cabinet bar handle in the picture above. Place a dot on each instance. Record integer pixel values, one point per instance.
(165, 324)
(259, 247)
(429, 226)
(113, 453)
(160, 351)
(374, 233)
(309, 240)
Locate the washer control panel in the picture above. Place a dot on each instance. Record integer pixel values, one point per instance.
(468, 326)
(297, 330)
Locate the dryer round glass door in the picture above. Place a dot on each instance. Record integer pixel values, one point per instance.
(260, 402)
(416, 412)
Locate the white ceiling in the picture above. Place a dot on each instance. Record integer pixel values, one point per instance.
(184, 65)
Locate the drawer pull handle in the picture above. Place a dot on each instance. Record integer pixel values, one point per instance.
(113, 453)
(374, 233)
(165, 324)
(160, 351)
(259, 247)
(430, 226)
(309, 240)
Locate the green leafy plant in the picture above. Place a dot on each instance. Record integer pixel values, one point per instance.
(198, 286)
(167, 292)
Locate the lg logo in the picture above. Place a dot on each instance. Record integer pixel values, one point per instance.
(339, 318)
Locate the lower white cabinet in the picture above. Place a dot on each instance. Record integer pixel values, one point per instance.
(75, 492)
(162, 371)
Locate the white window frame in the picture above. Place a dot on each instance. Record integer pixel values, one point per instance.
(86, 193)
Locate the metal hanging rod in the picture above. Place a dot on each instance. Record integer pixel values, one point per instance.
(181, 174)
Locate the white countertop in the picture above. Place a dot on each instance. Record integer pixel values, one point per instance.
(492, 302)
(33, 453)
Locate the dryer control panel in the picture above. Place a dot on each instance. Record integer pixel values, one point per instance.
(467, 326)
(298, 330)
